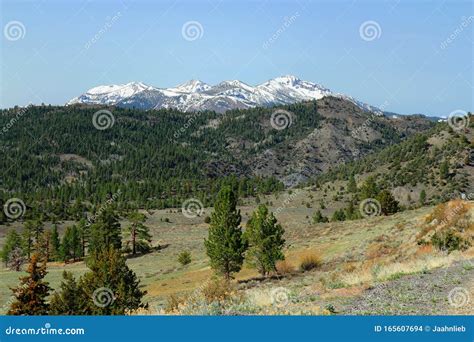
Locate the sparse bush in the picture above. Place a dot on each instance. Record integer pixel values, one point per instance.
(172, 303)
(285, 268)
(448, 241)
(448, 227)
(319, 218)
(329, 308)
(349, 267)
(184, 258)
(218, 290)
(338, 215)
(207, 220)
(310, 261)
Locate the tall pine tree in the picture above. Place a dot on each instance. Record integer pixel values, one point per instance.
(140, 237)
(111, 288)
(224, 245)
(12, 241)
(105, 232)
(265, 239)
(55, 244)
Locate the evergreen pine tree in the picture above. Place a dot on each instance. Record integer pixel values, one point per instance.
(12, 241)
(140, 237)
(70, 299)
(38, 229)
(352, 186)
(444, 170)
(369, 188)
(388, 203)
(265, 240)
(27, 238)
(105, 232)
(55, 244)
(76, 246)
(66, 245)
(422, 197)
(224, 244)
(30, 296)
(110, 288)
(43, 246)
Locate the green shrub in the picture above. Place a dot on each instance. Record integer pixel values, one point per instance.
(184, 258)
(448, 241)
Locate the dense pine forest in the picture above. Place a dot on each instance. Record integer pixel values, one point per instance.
(60, 164)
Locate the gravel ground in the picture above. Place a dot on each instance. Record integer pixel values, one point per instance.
(437, 292)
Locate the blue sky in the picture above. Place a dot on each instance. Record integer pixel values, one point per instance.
(67, 47)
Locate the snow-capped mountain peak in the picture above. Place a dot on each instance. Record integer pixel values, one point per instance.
(287, 79)
(110, 94)
(192, 86)
(196, 95)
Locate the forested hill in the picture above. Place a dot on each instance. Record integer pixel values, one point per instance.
(438, 163)
(57, 157)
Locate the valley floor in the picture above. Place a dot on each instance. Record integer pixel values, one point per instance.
(370, 266)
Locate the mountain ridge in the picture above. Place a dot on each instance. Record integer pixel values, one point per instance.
(195, 95)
